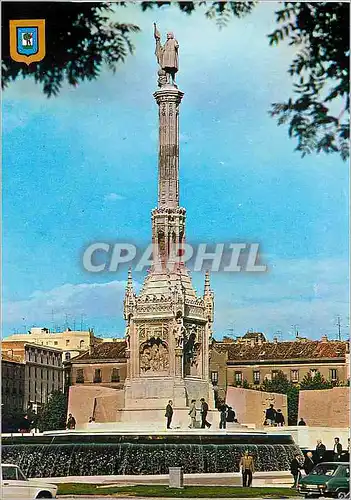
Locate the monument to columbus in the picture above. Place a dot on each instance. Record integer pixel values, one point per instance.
(169, 327)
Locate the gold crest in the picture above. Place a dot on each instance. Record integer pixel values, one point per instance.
(27, 40)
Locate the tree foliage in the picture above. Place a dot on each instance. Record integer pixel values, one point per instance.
(82, 38)
(53, 414)
(314, 382)
(318, 115)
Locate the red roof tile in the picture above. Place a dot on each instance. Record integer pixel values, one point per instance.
(283, 350)
(105, 350)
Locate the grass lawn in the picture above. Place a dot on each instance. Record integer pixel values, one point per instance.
(165, 491)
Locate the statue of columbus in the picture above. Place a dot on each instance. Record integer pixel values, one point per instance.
(167, 56)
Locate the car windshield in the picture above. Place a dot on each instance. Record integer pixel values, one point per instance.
(324, 470)
(10, 473)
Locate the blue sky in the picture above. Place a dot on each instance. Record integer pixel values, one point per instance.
(82, 167)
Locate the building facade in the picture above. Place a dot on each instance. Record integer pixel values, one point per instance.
(251, 361)
(43, 371)
(71, 342)
(105, 365)
(12, 385)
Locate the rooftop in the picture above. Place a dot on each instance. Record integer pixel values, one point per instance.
(106, 350)
(309, 349)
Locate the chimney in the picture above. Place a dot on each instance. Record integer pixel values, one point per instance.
(324, 338)
(275, 340)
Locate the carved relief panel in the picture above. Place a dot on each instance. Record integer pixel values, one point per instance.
(154, 358)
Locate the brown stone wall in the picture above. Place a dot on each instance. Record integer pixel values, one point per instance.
(250, 405)
(81, 403)
(108, 407)
(325, 408)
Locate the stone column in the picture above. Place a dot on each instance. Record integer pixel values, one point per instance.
(168, 100)
(178, 362)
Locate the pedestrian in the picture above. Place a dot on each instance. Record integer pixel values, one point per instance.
(308, 464)
(204, 411)
(247, 468)
(337, 449)
(71, 422)
(279, 418)
(270, 415)
(301, 422)
(320, 451)
(192, 414)
(169, 413)
(223, 409)
(25, 424)
(295, 470)
(230, 414)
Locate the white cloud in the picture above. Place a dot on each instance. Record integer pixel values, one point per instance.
(304, 292)
(98, 300)
(113, 197)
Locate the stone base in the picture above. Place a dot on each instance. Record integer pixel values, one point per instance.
(153, 393)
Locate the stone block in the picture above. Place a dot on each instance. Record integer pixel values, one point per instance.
(250, 405)
(325, 408)
(176, 479)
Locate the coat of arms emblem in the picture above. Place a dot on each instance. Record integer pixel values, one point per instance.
(27, 40)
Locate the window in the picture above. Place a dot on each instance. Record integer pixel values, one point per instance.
(256, 377)
(55, 342)
(80, 376)
(81, 344)
(274, 374)
(67, 356)
(333, 373)
(9, 473)
(67, 342)
(115, 375)
(97, 376)
(214, 378)
(238, 377)
(294, 375)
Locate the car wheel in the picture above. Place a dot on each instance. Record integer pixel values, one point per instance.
(44, 494)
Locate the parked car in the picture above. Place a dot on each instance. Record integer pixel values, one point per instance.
(328, 479)
(15, 485)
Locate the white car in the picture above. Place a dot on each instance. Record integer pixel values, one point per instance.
(15, 485)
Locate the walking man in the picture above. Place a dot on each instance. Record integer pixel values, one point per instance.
(71, 422)
(169, 413)
(270, 415)
(247, 468)
(295, 470)
(223, 416)
(192, 414)
(279, 418)
(337, 449)
(204, 411)
(308, 463)
(320, 451)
